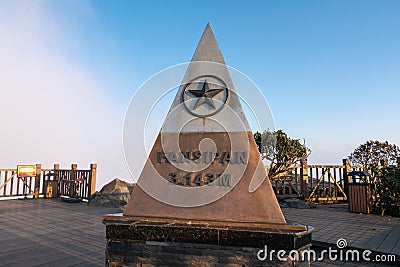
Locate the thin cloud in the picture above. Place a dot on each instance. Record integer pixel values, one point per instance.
(52, 109)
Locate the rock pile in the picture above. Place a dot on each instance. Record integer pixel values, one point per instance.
(115, 194)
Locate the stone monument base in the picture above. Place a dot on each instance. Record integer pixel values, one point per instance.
(156, 242)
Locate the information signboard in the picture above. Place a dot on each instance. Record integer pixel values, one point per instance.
(26, 171)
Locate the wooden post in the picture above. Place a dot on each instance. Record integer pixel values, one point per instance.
(93, 176)
(347, 169)
(74, 167)
(304, 177)
(56, 167)
(56, 172)
(71, 182)
(37, 180)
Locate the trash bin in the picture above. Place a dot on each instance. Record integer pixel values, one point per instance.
(50, 185)
(360, 193)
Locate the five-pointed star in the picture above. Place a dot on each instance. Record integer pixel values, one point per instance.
(204, 95)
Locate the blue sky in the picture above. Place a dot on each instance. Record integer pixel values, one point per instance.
(330, 70)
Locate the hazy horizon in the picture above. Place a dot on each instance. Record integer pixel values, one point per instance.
(329, 71)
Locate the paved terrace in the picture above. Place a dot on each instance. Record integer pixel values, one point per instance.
(362, 231)
(331, 222)
(48, 232)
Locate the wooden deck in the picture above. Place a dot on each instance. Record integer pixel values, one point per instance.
(48, 232)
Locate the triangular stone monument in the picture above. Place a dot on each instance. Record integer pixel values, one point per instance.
(205, 166)
(203, 198)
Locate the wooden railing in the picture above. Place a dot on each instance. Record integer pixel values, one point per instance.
(326, 183)
(315, 183)
(69, 182)
(76, 183)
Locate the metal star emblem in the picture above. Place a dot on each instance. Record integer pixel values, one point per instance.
(204, 95)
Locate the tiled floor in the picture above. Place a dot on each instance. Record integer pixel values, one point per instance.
(332, 222)
(362, 231)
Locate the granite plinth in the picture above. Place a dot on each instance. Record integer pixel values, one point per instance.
(131, 242)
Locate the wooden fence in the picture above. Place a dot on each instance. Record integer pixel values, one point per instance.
(68, 182)
(315, 183)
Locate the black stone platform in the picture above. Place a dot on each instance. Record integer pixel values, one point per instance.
(131, 242)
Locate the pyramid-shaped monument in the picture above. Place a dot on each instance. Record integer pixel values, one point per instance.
(205, 166)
